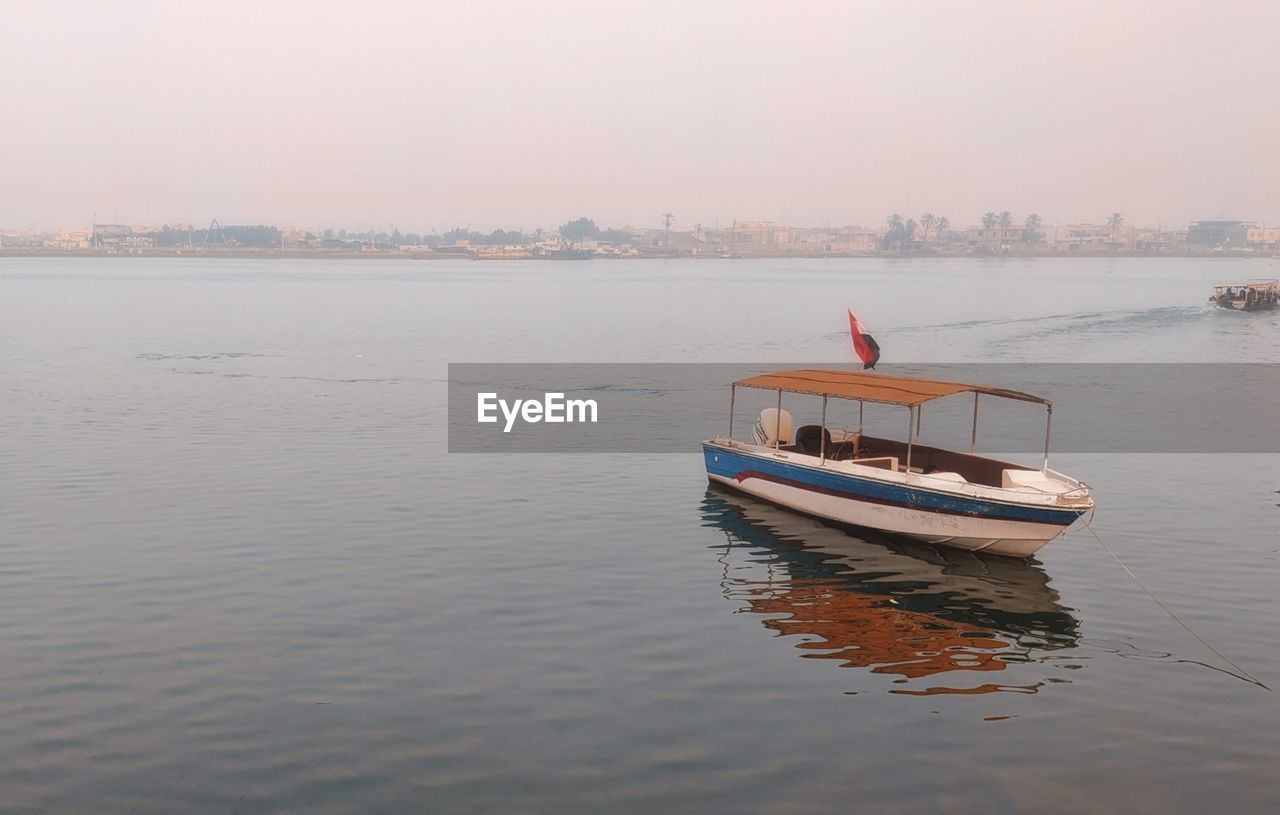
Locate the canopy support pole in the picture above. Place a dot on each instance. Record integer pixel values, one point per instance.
(911, 418)
(973, 440)
(861, 404)
(777, 423)
(1048, 418)
(733, 394)
(919, 417)
(822, 445)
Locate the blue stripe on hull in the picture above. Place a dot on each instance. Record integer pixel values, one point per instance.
(730, 464)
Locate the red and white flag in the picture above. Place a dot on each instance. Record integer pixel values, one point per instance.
(864, 345)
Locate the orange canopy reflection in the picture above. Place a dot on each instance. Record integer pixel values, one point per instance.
(864, 631)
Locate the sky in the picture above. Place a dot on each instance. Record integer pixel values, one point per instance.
(429, 115)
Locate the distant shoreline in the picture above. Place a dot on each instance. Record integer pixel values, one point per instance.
(313, 254)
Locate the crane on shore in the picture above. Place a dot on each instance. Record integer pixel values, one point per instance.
(214, 228)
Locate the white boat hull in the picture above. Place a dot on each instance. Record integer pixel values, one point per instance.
(1010, 538)
(916, 510)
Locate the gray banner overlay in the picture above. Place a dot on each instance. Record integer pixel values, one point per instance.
(670, 407)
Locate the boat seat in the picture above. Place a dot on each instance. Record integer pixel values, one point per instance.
(883, 462)
(1034, 480)
(956, 477)
(809, 440)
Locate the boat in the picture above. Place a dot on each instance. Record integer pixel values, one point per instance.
(562, 253)
(905, 488)
(1255, 295)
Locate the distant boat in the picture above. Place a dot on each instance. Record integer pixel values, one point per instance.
(1256, 295)
(902, 487)
(542, 253)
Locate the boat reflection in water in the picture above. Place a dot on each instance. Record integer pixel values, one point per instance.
(894, 607)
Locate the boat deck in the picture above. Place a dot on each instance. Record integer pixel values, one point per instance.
(873, 451)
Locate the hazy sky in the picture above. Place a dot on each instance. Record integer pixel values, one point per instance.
(491, 114)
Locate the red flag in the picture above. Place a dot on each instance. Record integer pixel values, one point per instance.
(864, 345)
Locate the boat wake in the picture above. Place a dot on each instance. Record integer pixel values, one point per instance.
(1075, 322)
(203, 357)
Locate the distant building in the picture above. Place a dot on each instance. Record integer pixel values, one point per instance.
(1068, 238)
(764, 239)
(979, 237)
(110, 235)
(1218, 234)
(71, 239)
(1263, 237)
(13, 238)
(748, 237)
(1155, 240)
(853, 240)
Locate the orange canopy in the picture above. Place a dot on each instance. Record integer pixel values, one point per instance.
(869, 387)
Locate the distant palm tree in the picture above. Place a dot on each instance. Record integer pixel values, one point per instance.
(943, 224)
(893, 238)
(989, 221)
(1006, 221)
(909, 228)
(1114, 222)
(1033, 228)
(927, 220)
(666, 228)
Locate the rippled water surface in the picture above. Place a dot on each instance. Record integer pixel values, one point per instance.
(240, 573)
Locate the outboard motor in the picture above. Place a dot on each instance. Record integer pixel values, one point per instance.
(773, 425)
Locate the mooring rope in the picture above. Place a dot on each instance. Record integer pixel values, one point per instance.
(1243, 673)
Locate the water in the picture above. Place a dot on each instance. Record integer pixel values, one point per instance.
(241, 574)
